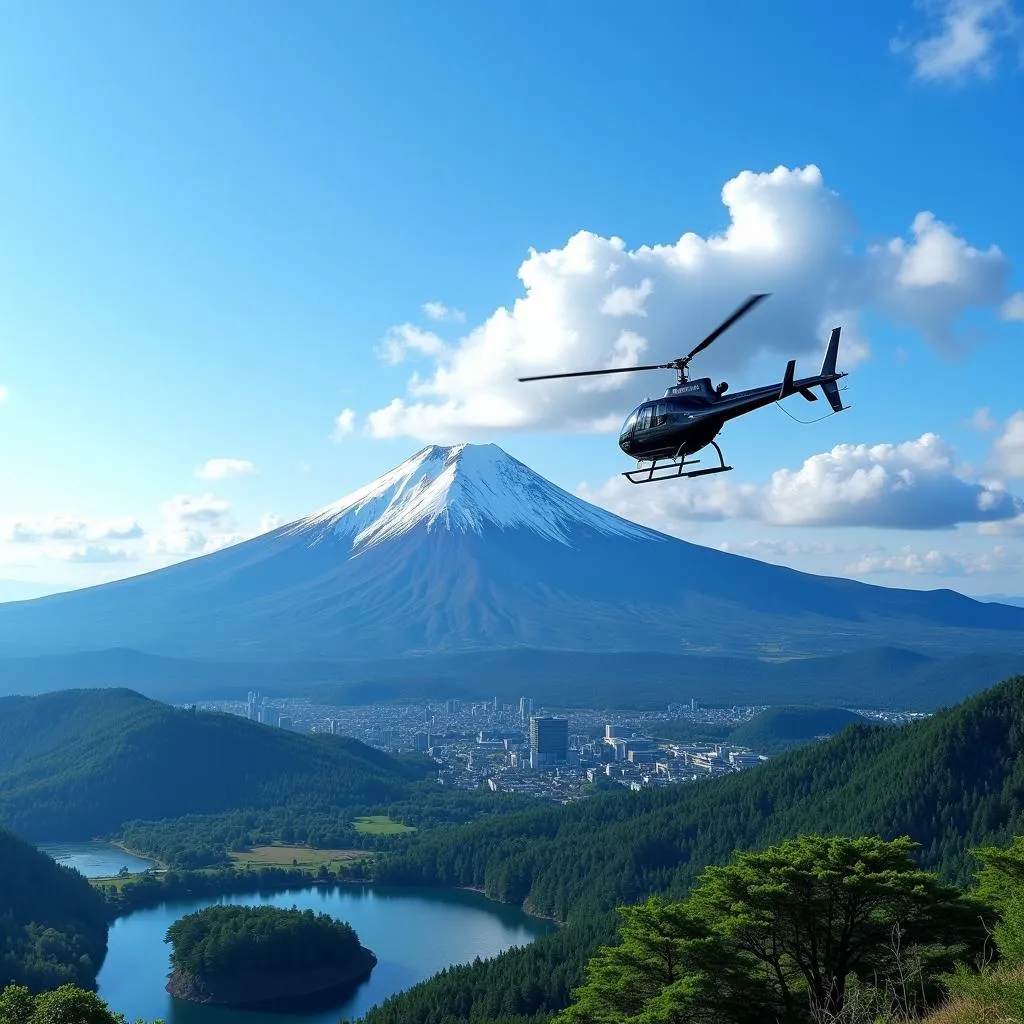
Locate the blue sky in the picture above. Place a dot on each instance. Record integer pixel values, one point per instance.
(221, 225)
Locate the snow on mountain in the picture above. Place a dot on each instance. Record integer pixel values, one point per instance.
(464, 488)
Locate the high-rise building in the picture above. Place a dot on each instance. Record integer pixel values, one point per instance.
(284, 722)
(549, 741)
(421, 741)
(525, 709)
(252, 706)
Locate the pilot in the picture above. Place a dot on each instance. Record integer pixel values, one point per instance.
(722, 388)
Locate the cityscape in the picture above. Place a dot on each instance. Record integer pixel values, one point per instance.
(554, 754)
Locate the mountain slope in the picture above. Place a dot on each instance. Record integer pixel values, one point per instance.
(53, 924)
(465, 548)
(81, 763)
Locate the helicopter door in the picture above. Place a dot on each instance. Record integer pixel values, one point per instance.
(643, 419)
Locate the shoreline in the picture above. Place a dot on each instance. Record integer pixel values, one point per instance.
(523, 907)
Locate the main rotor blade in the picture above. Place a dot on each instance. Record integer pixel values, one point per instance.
(594, 373)
(726, 324)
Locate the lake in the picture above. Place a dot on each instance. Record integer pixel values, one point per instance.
(94, 860)
(414, 933)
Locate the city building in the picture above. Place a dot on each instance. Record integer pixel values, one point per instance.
(549, 741)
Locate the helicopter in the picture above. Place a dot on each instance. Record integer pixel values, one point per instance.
(689, 417)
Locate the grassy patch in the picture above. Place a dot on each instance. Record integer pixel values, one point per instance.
(380, 825)
(298, 856)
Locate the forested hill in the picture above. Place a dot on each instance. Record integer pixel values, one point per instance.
(53, 924)
(949, 782)
(83, 762)
(782, 728)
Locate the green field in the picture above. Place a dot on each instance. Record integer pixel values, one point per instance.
(380, 825)
(280, 855)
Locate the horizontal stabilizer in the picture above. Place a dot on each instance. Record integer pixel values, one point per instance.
(809, 394)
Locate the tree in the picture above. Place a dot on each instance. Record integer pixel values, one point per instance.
(668, 969)
(815, 910)
(67, 1004)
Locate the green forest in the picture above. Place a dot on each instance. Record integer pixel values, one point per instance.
(233, 940)
(53, 924)
(82, 763)
(951, 783)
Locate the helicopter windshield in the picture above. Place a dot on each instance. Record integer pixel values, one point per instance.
(627, 427)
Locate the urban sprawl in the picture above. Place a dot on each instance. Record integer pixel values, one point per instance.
(551, 753)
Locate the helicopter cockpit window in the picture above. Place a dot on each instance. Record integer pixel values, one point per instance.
(660, 415)
(627, 427)
(643, 419)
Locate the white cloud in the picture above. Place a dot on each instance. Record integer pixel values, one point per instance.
(97, 554)
(965, 41)
(982, 419)
(595, 303)
(926, 283)
(205, 508)
(1008, 450)
(915, 485)
(221, 469)
(344, 424)
(938, 563)
(70, 528)
(269, 521)
(1013, 308)
(405, 338)
(439, 311)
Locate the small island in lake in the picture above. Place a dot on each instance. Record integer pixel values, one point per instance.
(266, 958)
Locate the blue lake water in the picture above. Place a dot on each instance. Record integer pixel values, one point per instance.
(95, 860)
(414, 933)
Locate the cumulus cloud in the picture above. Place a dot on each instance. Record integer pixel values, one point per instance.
(1008, 450)
(596, 303)
(439, 311)
(1013, 308)
(344, 424)
(938, 563)
(70, 528)
(269, 521)
(915, 485)
(966, 39)
(221, 469)
(405, 338)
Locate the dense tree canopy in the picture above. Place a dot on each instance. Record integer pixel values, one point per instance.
(776, 935)
(231, 940)
(84, 763)
(53, 925)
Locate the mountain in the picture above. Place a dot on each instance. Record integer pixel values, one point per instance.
(53, 926)
(466, 549)
(82, 763)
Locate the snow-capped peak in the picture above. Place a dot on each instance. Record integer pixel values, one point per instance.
(463, 488)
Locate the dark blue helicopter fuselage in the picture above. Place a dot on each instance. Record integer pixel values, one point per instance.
(690, 415)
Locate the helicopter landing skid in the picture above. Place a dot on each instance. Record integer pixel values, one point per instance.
(674, 469)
